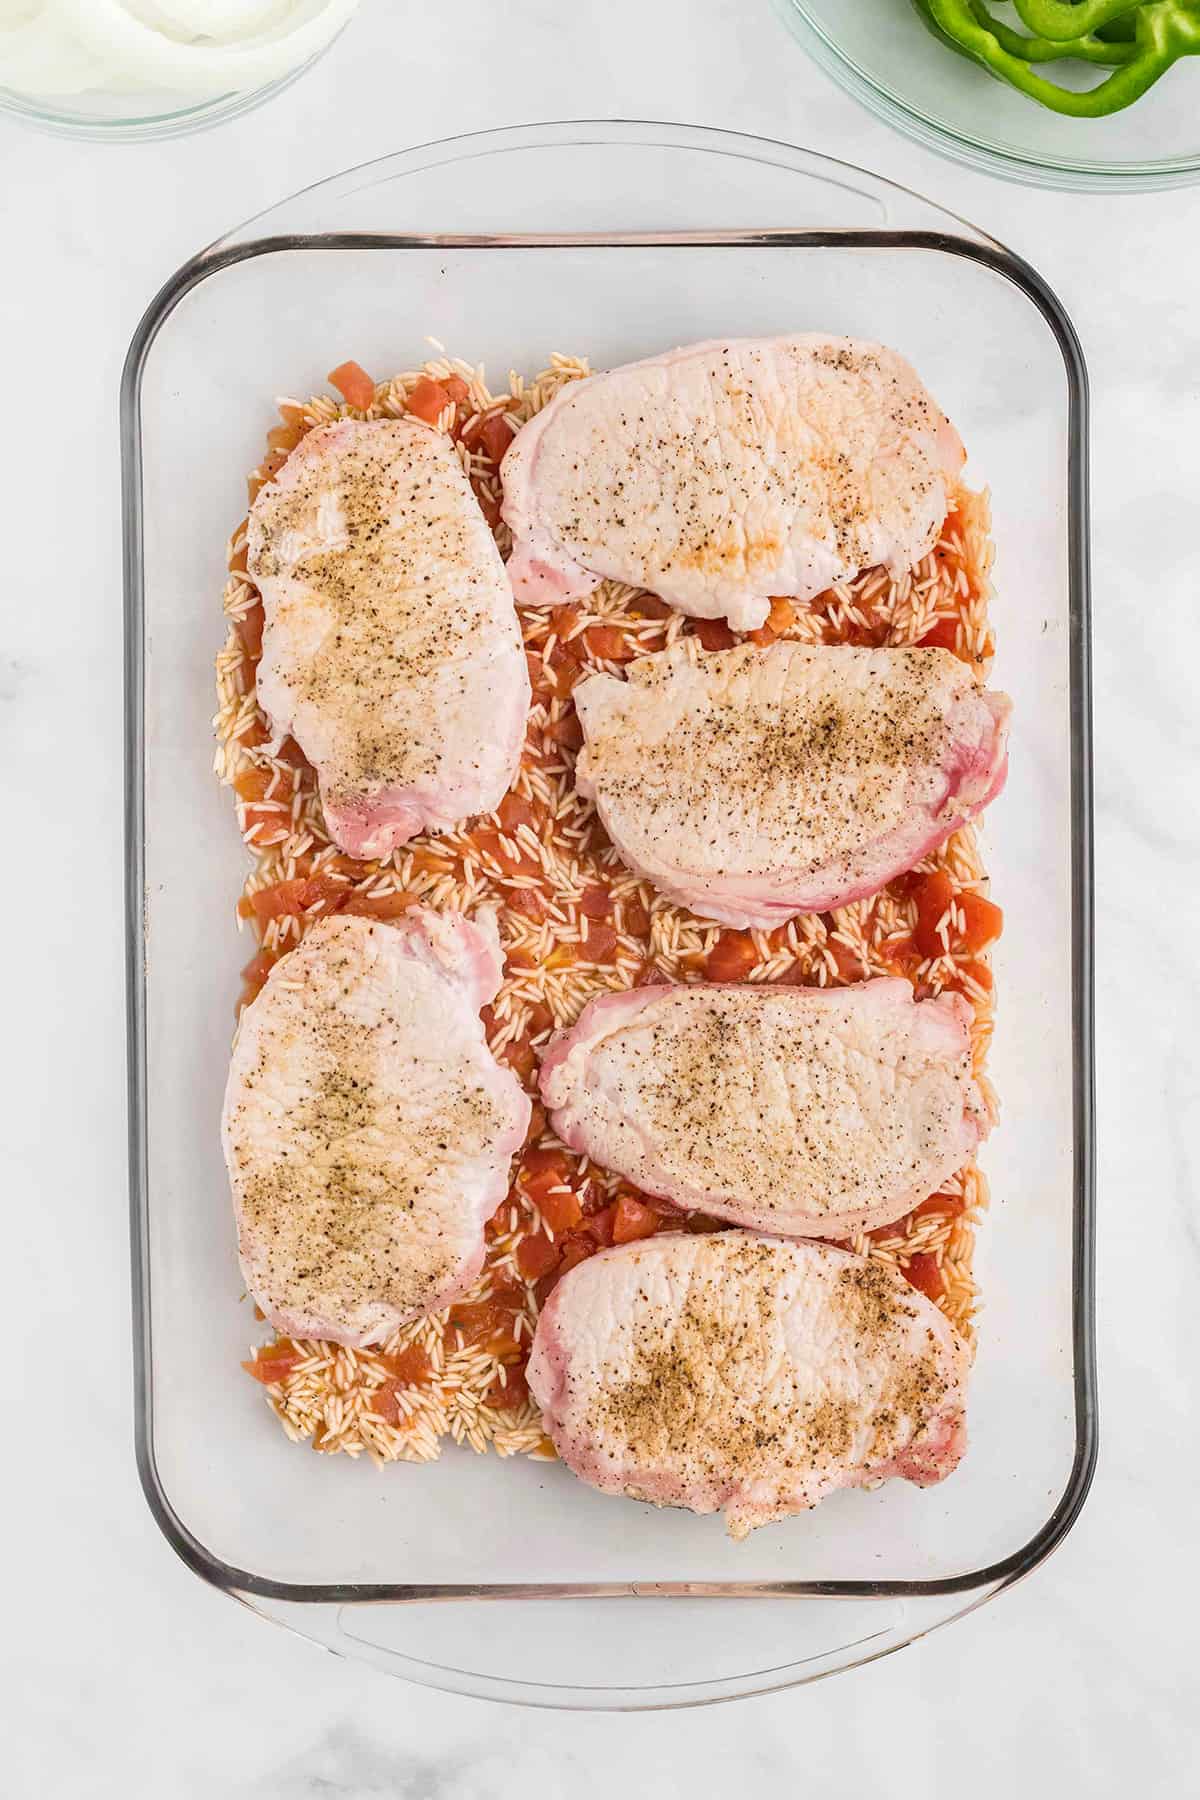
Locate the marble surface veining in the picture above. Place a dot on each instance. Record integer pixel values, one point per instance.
(122, 1675)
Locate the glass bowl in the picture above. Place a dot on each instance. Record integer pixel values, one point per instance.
(110, 116)
(881, 52)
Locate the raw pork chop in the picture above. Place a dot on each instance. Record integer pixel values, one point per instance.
(751, 786)
(724, 473)
(742, 1373)
(809, 1112)
(392, 651)
(367, 1126)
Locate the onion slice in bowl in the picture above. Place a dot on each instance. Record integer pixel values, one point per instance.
(127, 43)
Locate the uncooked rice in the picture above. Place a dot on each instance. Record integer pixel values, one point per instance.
(353, 1400)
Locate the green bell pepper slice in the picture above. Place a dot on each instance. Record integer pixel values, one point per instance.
(1062, 19)
(1164, 31)
(1107, 51)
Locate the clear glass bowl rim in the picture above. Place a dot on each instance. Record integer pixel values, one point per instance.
(1079, 175)
(199, 115)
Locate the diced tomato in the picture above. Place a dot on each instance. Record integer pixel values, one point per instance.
(285, 437)
(849, 962)
(541, 1018)
(563, 621)
(923, 1272)
(793, 976)
(495, 435)
(528, 901)
(408, 1366)
(649, 606)
(599, 1225)
(732, 957)
(255, 973)
(934, 898)
(949, 1205)
(780, 619)
(456, 388)
(489, 506)
(288, 898)
(600, 942)
(428, 400)
(520, 1057)
(274, 1362)
(537, 1122)
(239, 559)
(566, 731)
(249, 629)
(983, 921)
(252, 784)
(904, 886)
(384, 1404)
(649, 974)
(536, 1256)
(634, 1219)
(290, 752)
(715, 634)
(510, 1393)
(481, 1321)
(486, 842)
(378, 906)
(353, 384)
(942, 636)
(610, 643)
(976, 972)
(637, 919)
(981, 973)
(263, 826)
(566, 673)
(595, 903)
(554, 1163)
(513, 810)
(900, 949)
(575, 1249)
(256, 733)
(545, 1177)
(560, 1208)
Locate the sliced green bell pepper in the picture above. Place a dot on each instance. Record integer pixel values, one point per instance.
(1163, 32)
(1092, 47)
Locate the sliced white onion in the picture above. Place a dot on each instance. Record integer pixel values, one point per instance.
(41, 55)
(14, 13)
(112, 33)
(211, 21)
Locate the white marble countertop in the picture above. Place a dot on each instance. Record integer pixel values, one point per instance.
(123, 1674)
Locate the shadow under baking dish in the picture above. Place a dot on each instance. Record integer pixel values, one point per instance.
(613, 241)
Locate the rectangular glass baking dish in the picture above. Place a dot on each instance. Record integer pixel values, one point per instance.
(612, 241)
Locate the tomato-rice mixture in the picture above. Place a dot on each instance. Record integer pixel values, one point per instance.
(574, 922)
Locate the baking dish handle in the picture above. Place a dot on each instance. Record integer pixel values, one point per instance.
(509, 1647)
(683, 180)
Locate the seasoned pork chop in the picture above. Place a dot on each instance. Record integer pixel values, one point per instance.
(367, 1127)
(742, 1373)
(807, 1112)
(751, 786)
(391, 650)
(723, 473)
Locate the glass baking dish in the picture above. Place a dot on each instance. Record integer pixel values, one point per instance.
(510, 1579)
